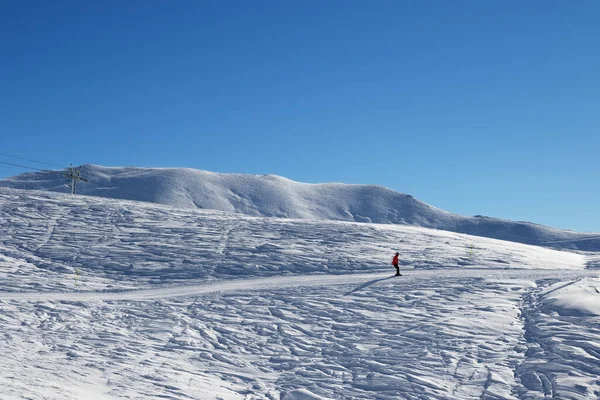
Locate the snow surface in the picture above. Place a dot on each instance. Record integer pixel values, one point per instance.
(275, 196)
(111, 299)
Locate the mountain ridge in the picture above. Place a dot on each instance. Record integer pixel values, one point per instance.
(276, 196)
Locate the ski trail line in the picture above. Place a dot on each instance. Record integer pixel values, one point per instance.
(199, 289)
(279, 282)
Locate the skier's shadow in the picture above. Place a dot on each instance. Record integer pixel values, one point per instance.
(367, 284)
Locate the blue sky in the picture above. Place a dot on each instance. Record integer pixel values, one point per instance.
(476, 107)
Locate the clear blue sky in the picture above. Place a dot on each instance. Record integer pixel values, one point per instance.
(476, 107)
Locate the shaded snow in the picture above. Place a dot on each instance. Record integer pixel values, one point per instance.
(275, 196)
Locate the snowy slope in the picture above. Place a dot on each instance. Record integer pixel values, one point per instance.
(110, 299)
(275, 196)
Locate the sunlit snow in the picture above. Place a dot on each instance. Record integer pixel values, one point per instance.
(114, 299)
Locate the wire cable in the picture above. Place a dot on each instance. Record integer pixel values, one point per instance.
(20, 166)
(55, 165)
(30, 160)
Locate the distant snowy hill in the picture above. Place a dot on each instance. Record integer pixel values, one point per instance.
(275, 196)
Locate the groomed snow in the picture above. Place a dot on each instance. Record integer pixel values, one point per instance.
(111, 299)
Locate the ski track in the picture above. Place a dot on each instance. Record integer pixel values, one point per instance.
(184, 304)
(564, 350)
(290, 281)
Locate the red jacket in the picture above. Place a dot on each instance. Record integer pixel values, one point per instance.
(395, 260)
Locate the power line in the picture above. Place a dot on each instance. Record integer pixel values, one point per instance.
(54, 165)
(30, 160)
(157, 194)
(20, 166)
(119, 183)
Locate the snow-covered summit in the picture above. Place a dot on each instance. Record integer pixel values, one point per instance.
(276, 196)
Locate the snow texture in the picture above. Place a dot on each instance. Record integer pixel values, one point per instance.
(300, 394)
(275, 196)
(114, 299)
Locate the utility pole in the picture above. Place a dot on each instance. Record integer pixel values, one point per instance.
(75, 175)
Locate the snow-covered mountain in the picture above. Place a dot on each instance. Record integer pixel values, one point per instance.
(104, 299)
(275, 196)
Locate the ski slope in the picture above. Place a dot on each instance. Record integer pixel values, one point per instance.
(113, 299)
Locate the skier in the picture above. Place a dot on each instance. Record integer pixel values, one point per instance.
(395, 264)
